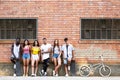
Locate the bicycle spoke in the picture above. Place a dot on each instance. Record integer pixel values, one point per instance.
(84, 71)
(105, 71)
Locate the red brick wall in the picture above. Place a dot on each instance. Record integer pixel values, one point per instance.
(61, 18)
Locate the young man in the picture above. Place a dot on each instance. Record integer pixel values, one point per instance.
(68, 55)
(45, 54)
(16, 56)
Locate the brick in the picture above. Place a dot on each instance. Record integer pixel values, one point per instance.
(61, 18)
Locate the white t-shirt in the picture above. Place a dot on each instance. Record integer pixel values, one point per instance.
(57, 50)
(70, 49)
(45, 48)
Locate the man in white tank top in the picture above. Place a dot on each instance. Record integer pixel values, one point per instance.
(16, 53)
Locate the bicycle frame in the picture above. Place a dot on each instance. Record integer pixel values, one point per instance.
(85, 70)
(93, 67)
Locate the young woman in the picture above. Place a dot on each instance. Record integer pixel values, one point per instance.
(56, 57)
(35, 57)
(26, 57)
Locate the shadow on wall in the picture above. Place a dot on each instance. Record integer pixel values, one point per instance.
(93, 53)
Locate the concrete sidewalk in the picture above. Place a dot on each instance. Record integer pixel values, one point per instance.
(7, 70)
(58, 78)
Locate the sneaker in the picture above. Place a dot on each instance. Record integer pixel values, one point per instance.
(33, 75)
(14, 75)
(56, 75)
(69, 68)
(66, 75)
(42, 73)
(53, 73)
(45, 74)
(14, 66)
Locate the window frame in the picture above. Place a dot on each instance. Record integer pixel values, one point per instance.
(96, 39)
(11, 40)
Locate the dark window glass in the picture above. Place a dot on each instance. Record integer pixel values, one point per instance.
(100, 28)
(23, 28)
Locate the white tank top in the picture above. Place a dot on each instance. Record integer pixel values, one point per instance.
(16, 50)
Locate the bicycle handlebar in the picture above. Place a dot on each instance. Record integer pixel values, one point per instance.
(101, 57)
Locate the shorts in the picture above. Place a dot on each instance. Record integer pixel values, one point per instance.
(65, 60)
(55, 55)
(35, 57)
(26, 56)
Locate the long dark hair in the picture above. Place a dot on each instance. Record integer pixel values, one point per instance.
(27, 42)
(56, 44)
(37, 43)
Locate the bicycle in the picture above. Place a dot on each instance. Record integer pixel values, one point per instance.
(104, 70)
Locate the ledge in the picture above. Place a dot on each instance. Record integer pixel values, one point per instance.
(98, 41)
(12, 41)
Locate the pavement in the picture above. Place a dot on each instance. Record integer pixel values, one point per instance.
(58, 78)
(7, 70)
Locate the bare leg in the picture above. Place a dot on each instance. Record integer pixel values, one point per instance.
(27, 66)
(24, 67)
(36, 69)
(58, 66)
(32, 64)
(69, 62)
(55, 62)
(66, 69)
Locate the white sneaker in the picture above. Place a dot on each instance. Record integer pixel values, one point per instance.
(35, 75)
(14, 75)
(69, 68)
(56, 75)
(42, 71)
(53, 73)
(66, 75)
(14, 66)
(32, 75)
(45, 73)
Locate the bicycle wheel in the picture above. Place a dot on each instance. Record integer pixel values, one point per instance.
(84, 71)
(105, 71)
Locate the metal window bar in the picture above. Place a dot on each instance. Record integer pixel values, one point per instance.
(110, 32)
(17, 25)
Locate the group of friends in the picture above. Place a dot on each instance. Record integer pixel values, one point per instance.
(43, 53)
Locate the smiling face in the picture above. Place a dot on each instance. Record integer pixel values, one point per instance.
(36, 43)
(66, 40)
(56, 41)
(26, 42)
(44, 41)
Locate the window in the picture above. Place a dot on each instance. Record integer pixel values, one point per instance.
(100, 29)
(23, 28)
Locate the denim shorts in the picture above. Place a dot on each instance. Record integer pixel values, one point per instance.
(55, 55)
(26, 56)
